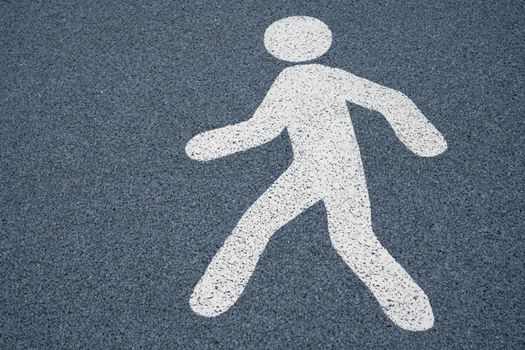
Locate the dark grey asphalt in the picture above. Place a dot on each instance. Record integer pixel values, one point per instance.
(106, 225)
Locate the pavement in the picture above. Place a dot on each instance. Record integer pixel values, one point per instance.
(106, 225)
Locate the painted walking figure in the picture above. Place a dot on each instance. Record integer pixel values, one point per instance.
(309, 101)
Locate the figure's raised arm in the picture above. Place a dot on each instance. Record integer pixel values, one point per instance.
(261, 128)
(410, 125)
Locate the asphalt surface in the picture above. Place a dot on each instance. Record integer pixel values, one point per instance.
(106, 225)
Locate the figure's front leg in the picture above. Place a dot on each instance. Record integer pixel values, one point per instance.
(232, 266)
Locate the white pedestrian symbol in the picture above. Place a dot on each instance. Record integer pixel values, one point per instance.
(309, 101)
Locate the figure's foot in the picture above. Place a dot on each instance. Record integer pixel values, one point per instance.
(226, 277)
(219, 288)
(210, 303)
(412, 313)
(399, 296)
(401, 299)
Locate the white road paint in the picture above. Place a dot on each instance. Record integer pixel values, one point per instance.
(309, 101)
(298, 39)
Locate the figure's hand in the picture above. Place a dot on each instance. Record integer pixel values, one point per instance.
(412, 127)
(262, 127)
(231, 139)
(198, 149)
(408, 122)
(427, 141)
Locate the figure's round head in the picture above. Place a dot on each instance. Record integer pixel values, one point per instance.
(297, 38)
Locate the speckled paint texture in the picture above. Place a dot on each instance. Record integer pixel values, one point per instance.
(106, 225)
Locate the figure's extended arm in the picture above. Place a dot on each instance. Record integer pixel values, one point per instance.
(261, 128)
(409, 124)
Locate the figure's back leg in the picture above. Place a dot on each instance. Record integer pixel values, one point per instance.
(231, 268)
(350, 227)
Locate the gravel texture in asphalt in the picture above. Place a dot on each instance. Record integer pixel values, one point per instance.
(106, 225)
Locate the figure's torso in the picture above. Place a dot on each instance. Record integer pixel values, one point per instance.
(314, 106)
